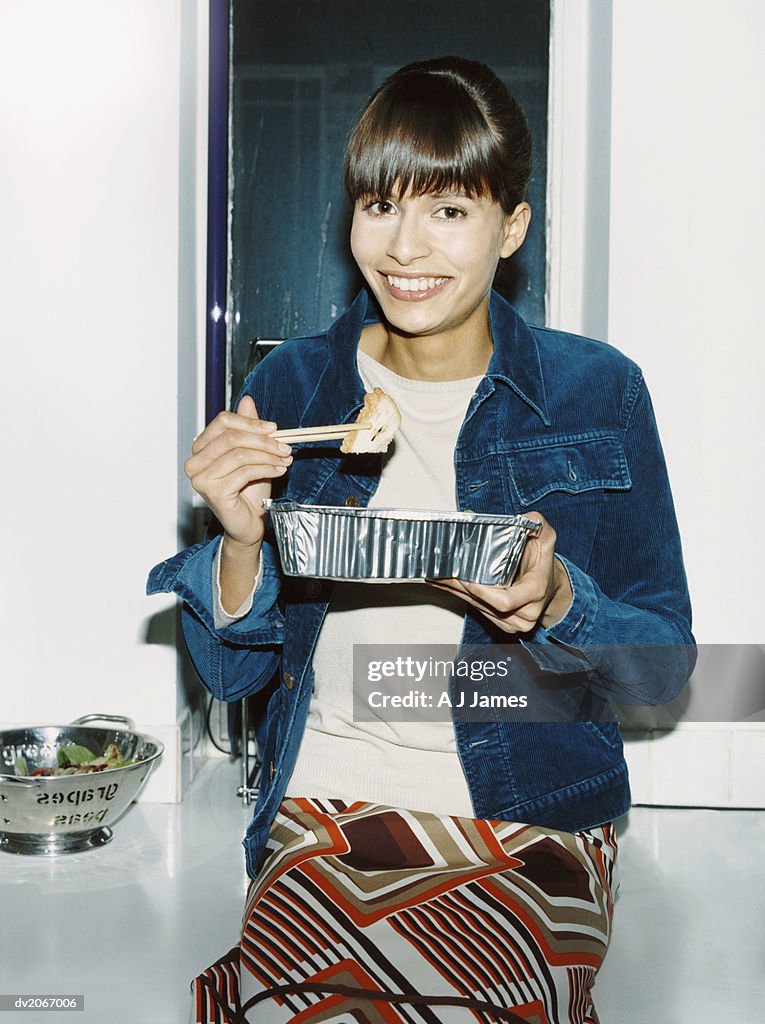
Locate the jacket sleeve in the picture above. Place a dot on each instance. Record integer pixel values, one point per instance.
(629, 624)
(237, 659)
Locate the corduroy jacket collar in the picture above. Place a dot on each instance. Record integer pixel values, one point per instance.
(515, 360)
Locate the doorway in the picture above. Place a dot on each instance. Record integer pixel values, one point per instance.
(301, 71)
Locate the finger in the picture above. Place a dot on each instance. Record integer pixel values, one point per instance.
(235, 437)
(529, 588)
(254, 461)
(221, 491)
(520, 622)
(523, 620)
(540, 545)
(237, 479)
(247, 408)
(485, 598)
(228, 421)
(503, 600)
(231, 421)
(512, 623)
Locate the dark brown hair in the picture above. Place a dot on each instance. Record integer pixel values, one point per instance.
(440, 125)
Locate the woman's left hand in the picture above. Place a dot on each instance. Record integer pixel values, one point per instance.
(540, 594)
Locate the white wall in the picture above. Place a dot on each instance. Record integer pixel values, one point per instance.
(657, 244)
(680, 267)
(98, 165)
(687, 251)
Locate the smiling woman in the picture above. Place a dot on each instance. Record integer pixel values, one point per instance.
(459, 869)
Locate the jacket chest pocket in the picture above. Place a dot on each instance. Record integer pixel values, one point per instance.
(568, 480)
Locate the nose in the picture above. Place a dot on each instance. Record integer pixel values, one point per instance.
(408, 240)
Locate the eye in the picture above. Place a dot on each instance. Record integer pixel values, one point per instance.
(379, 207)
(450, 213)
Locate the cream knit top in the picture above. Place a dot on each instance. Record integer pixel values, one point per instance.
(404, 764)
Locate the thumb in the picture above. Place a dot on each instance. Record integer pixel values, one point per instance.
(533, 549)
(247, 408)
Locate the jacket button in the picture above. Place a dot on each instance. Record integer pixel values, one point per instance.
(313, 588)
(352, 501)
(289, 680)
(271, 770)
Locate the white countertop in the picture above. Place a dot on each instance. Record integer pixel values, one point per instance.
(129, 924)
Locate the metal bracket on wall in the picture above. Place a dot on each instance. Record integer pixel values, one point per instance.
(259, 349)
(251, 765)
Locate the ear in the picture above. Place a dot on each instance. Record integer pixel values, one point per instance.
(514, 229)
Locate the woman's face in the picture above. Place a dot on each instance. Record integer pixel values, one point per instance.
(430, 260)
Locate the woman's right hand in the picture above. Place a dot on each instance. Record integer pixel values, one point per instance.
(232, 465)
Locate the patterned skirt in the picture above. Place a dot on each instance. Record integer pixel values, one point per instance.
(367, 914)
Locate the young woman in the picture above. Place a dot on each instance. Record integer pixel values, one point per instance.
(436, 871)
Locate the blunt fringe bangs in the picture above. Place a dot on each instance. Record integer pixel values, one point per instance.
(442, 125)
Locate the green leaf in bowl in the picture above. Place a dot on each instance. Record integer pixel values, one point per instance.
(73, 754)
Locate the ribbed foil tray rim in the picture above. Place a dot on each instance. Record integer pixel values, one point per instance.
(281, 506)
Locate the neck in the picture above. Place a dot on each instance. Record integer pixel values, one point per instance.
(453, 355)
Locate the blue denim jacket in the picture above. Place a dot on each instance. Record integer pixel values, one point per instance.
(560, 424)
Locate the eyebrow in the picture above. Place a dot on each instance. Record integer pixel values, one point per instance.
(445, 194)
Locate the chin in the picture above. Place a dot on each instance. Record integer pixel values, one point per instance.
(412, 319)
(417, 326)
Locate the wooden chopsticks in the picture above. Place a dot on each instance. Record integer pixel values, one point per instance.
(294, 435)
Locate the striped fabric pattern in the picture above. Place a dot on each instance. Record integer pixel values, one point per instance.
(367, 913)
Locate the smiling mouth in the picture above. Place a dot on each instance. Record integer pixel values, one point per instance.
(413, 288)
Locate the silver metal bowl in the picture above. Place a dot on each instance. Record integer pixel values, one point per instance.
(48, 815)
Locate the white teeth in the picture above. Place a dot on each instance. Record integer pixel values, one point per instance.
(414, 284)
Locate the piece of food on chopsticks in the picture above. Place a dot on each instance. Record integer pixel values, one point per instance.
(381, 415)
(372, 431)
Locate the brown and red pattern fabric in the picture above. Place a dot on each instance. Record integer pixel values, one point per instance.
(366, 914)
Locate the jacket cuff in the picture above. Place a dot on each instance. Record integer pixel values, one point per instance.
(189, 574)
(556, 649)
